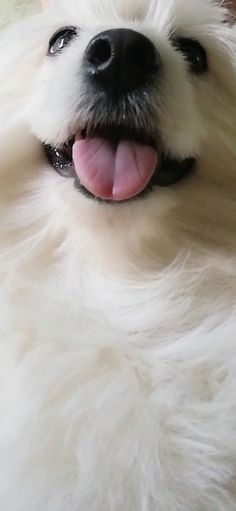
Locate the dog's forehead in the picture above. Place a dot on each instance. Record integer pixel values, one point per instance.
(164, 14)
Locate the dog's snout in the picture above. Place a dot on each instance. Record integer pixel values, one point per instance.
(121, 59)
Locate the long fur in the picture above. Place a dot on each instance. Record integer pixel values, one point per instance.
(118, 324)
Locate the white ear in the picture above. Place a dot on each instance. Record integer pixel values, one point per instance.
(44, 3)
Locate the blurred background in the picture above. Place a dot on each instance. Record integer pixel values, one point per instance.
(13, 9)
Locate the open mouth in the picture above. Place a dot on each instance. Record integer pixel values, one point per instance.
(116, 164)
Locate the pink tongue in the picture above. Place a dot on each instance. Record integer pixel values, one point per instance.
(113, 173)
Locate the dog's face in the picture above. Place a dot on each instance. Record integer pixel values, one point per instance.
(132, 109)
(124, 99)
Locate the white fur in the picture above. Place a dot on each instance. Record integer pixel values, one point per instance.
(118, 324)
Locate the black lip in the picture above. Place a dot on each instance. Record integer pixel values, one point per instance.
(168, 172)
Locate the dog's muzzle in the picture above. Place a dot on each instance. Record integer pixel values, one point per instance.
(116, 156)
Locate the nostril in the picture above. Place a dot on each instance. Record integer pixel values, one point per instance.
(99, 53)
(121, 60)
(143, 57)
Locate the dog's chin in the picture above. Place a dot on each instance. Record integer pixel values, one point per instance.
(165, 170)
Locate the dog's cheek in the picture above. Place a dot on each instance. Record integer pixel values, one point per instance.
(181, 126)
(53, 105)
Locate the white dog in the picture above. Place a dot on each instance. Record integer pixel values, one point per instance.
(118, 258)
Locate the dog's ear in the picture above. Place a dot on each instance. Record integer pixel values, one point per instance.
(44, 3)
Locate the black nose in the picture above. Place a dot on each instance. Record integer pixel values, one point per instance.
(121, 59)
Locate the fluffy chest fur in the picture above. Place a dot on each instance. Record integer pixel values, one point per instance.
(116, 391)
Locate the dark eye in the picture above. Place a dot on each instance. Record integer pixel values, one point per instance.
(194, 54)
(60, 39)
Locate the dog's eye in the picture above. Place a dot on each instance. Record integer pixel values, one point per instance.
(60, 39)
(194, 54)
